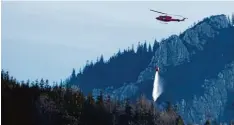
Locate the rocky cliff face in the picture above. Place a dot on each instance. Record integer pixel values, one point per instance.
(213, 103)
(208, 28)
(171, 51)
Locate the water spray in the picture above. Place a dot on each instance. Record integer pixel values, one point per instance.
(157, 88)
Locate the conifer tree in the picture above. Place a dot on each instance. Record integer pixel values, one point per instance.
(101, 59)
(155, 45)
(145, 47)
(150, 49)
(42, 83)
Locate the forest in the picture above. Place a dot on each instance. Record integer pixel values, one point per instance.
(38, 103)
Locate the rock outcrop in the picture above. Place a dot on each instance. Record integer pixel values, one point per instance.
(213, 103)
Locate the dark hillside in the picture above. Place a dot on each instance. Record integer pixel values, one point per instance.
(123, 67)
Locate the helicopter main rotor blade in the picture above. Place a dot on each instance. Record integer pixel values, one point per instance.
(157, 11)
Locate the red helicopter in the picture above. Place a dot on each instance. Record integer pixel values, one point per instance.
(167, 18)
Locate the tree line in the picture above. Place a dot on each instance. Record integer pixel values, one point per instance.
(38, 103)
(124, 66)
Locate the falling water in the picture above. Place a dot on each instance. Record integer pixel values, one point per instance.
(157, 90)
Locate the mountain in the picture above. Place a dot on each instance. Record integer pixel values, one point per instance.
(196, 68)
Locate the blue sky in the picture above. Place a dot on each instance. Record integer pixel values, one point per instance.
(48, 39)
